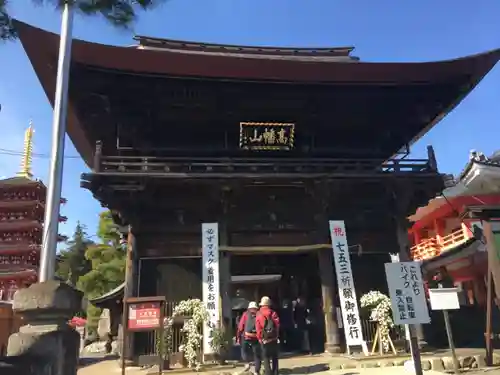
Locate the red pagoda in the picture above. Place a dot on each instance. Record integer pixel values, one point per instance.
(22, 208)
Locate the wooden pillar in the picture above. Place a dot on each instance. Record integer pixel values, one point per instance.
(129, 290)
(417, 237)
(225, 277)
(439, 228)
(404, 256)
(491, 230)
(321, 195)
(479, 289)
(328, 291)
(225, 265)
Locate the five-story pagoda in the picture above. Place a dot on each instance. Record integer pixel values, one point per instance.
(22, 210)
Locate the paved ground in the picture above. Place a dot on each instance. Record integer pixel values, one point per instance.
(485, 371)
(298, 365)
(379, 371)
(292, 366)
(111, 367)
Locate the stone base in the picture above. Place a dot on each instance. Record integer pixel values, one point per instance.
(333, 349)
(435, 363)
(45, 334)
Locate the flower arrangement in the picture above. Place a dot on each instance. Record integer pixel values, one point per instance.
(379, 306)
(195, 314)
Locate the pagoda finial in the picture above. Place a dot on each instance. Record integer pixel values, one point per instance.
(27, 157)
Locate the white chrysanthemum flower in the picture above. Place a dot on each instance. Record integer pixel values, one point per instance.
(196, 315)
(380, 312)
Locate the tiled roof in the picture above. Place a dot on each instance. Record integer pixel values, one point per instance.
(18, 246)
(464, 249)
(19, 203)
(479, 159)
(329, 54)
(20, 181)
(13, 225)
(17, 273)
(112, 295)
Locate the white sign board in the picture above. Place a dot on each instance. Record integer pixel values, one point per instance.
(211, 283)
(345, 282)
(406, 290)
(444, 299)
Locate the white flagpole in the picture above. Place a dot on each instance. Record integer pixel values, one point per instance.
(53, 200)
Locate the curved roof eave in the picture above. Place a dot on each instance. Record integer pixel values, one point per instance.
(42, 49)
(112, 295)
(40, 45)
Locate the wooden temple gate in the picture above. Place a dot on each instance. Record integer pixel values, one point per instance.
(322, 144)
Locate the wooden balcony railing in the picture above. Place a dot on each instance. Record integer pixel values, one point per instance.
(425, 249)
(432, 247)
(182, 167)
(193, 167)
(455, 238)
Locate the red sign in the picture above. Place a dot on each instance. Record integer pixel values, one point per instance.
(144, 315)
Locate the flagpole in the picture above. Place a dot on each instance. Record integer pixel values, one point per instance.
(53, 200)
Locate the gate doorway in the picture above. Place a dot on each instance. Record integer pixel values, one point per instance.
(280, 276)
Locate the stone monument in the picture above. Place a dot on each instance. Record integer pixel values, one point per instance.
(45, 339)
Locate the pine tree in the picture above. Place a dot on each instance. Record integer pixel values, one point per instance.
(107, 266)
(121, 13)
(72, 262)
(107, 260)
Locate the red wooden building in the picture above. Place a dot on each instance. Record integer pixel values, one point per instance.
(22, 208)
(441, 239)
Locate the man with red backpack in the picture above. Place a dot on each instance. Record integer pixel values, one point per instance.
(247, 336)
(267, 324)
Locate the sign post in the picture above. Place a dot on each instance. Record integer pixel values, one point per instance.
(211, 281)
(143, 314)
(347, 291)
(409, 306)
(491, 230)
(395, 259)
(446, 299)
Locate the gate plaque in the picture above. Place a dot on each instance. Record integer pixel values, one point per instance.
(267, 136)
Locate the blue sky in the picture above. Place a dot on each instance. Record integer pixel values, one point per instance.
(383, 30)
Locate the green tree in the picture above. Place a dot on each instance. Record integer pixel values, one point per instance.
(107, 271)
(121, 13)
(107, 260)
(72, 261)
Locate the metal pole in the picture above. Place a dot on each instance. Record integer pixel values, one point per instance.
(395, 259)
(456, 364)
(404, 252)
(53, 200)
(415, 350)
(489, 318)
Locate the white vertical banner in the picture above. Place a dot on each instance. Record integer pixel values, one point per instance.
(406, 290)
(345, 282)
(211, 280)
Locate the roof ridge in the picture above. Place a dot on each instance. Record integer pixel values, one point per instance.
(189, 45)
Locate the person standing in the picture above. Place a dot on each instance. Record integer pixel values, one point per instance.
(286, 326)
(247, 335)
(300, 316)
(267, 324)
